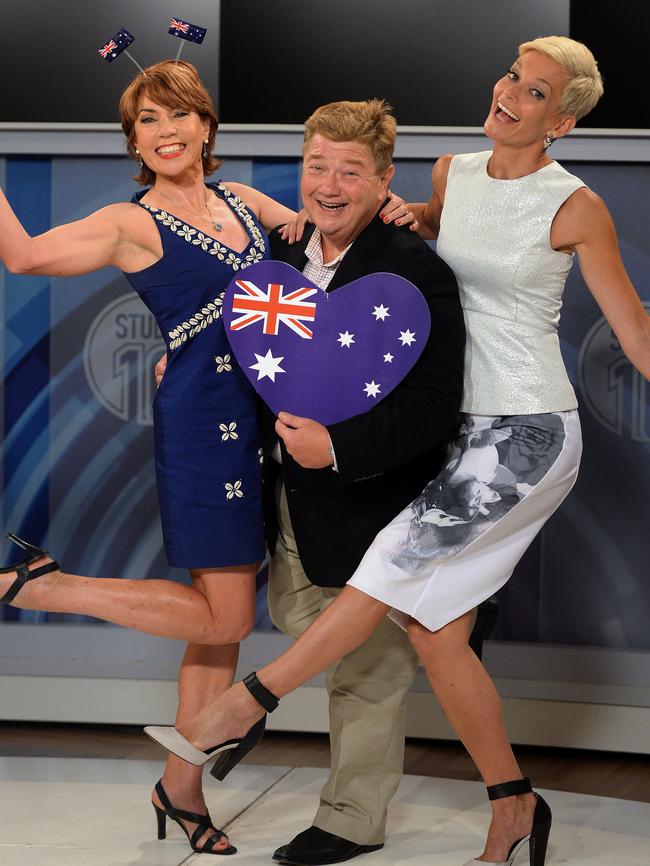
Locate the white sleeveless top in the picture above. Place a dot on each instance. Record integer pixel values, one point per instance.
(495, 236)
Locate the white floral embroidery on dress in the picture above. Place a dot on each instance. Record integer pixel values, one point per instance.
(254, 253)
(196, 323)
(186, 232)
(228, 431)
(223, 363)
(203, 240)
(234, 490)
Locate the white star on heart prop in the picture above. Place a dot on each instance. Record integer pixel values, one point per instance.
(267, 365)
(381, 312)
(372, 388)
(346, 339)
(407, 337)
(388, 358)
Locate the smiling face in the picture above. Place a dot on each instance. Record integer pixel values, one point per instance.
(170, 140)
(525, 102)
(341, 188)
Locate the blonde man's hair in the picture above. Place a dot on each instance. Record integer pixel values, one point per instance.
(585, 86)
(370, 122)
(172, 85)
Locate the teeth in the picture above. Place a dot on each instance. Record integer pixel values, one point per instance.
(330, 206)
(170, 148)
(507, 111)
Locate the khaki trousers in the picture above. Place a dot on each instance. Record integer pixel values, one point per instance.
(367, 691)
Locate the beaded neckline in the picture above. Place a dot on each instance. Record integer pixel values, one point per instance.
(252, 253)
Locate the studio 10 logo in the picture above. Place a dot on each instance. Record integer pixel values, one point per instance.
(613, 390)
(122, 347)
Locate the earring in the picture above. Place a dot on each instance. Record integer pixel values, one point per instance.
(140, 160)
(205, 149)
(548, 141)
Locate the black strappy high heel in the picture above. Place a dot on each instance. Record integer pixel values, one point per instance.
(23, 574)
(537, 839)
(229, 753)
(203, 824)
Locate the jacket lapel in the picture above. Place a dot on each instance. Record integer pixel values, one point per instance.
(292, 254)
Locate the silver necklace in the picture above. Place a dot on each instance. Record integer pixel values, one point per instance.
(217, 225)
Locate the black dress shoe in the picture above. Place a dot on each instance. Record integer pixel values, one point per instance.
(316, 847)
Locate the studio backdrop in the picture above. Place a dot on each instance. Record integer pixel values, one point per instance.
(78, 362)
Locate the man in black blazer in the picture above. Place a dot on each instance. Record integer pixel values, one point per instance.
(328, 491)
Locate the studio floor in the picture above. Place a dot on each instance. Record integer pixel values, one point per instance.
(63, 807)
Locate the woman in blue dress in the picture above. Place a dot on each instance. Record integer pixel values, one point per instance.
(179, 243)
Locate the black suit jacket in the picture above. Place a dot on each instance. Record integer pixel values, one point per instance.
(387, 455)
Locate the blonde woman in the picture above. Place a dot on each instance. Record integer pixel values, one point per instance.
(508, 221)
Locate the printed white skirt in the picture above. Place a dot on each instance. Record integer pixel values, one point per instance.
(459, 541)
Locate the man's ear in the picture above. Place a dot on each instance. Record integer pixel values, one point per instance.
(385, 180)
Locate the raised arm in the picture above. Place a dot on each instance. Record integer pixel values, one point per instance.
(426, 214)
(268, 211)
(585, 225)
(75, 248)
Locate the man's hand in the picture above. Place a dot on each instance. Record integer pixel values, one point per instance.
(159, 369)
(307, 441)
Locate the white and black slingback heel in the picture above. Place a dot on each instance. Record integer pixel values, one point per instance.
(537, 839)
(229, 753)
(23, 574)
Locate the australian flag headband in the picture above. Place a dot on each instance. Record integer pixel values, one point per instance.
(120, 41)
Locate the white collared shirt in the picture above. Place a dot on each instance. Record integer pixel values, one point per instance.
(319, 272)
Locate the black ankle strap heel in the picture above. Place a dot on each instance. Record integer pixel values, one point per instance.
(537, 839)
(266, 699)
(229, 753)
(509, 789)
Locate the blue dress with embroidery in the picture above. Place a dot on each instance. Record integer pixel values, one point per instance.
(206, 439)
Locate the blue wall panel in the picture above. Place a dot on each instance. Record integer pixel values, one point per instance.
(278, 178)
(77, 434)
(26, 363)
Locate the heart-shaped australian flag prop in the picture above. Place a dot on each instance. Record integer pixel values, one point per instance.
(323, 355)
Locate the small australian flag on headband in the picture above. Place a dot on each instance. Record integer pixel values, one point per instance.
(185, 30)
(115, 46)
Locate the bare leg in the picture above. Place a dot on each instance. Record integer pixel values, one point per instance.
(347, 623)
(206, 672)
(471, 703)
(164, 608)
(461, 684)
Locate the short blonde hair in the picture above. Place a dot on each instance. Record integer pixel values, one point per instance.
(370, 122)
(585, 86)
(173, 85)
